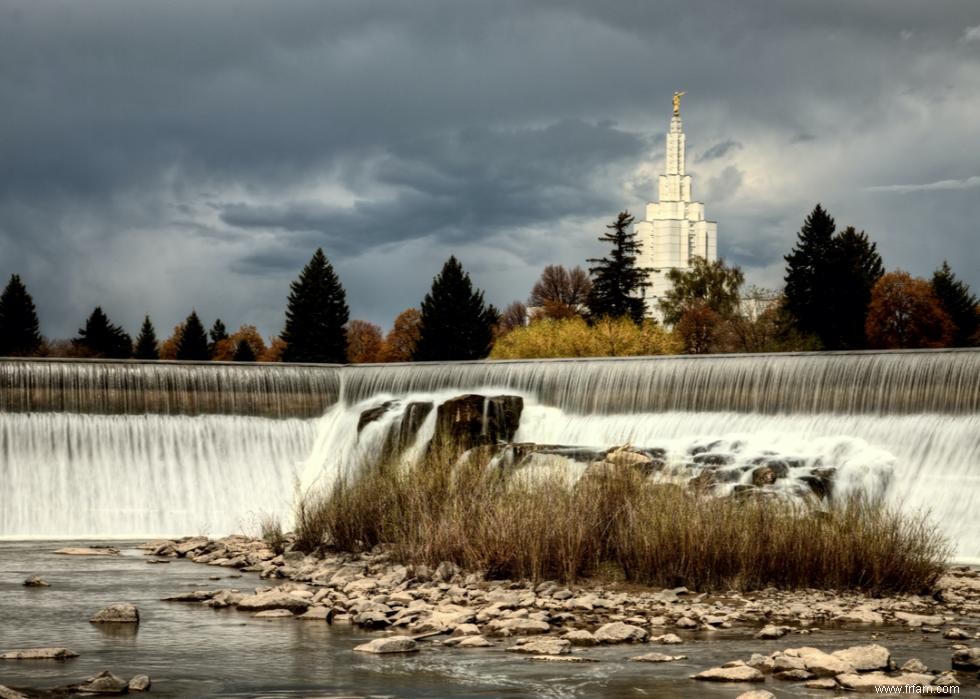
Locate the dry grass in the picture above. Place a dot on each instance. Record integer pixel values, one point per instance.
(614, 524)
(271, 532)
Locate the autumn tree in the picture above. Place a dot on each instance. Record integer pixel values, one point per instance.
(616, 280)
(456, 324)
(905, 313)
(168, 348)
(100, 338)
(364, 342)
(700, 327)
(316, 315)
(560, 292)
(714, 286)
(401, 340)
(273, 353)
(193, 343)
(146, 342)
(20, 333)
(226, 349)
(961, 305)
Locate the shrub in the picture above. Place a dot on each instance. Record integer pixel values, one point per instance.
(573, 337)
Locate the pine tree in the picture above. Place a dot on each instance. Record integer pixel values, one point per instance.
(808, 274)
(316, 315)
(616, 279)
(854, 268)
(146, 342)
(243, 352)
(217, 334)
(193, 344)
(20, 333)
(456, 324)
(100, 338)
(961, 305)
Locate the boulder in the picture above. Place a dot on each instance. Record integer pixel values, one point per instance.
(8, 693)
(667, 639)
(823, 664)
(794, 675)
(620, 632)
(656, 658)
(872, 682)
(967, 659)
(861, 616)
(104, 683)
(737, 673)
(686, 622)
(39, 654)
(915, 665)
(36, 581)
(953, 634)
(917, 620)
(185, 547)
(517, 627)
(472, 420)
(822, 683)
(580, 637)
(88, 551)
(390, 644)
(543, 646)
(273, 600)
(474, 642)
(865, 658)
(140, 683)
(122, 613)
(771, 632)
(756, 694)
(317, 614)
(273, 614)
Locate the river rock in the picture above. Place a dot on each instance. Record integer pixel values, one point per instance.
(824, 664)
(474, 642)
(736, 673)
(317, 614)
(620, 632)
(8, 693)
(915, 665)
(104, 683)
(953, 634)
(543, 646)
(657, 658)
(561, 659)
(667, 639)
(390, 644)
(580, 637)
(36, 581)
(273, 614)
(966, 659)
(771, 632)
(472, 420)
(686, 622)
(861, 616)
(39, 654)
(122, 613)
(185, 547)
(516, 627)
(140, 683)
(195, 596)
(865, 658)
(871, 682)
(756, 694)
(822, 683)
(88, 551)
(273, 600)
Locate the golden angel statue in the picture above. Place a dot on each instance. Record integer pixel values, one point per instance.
(677, 103)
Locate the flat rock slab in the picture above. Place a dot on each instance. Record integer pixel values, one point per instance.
(39, 654)
(657, 658)
(739, 673)
(273, 614)
(8, 693)
(561, 659)
(390, 644)
(620, 632)
(122, 613)
(871, 682)
(88, 551)
(543, 646)
(865, 658)
(273, 600)
(756, 694)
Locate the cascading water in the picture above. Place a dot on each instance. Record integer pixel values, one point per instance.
(128, 448)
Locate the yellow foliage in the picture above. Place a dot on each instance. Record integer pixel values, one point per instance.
(573, 337)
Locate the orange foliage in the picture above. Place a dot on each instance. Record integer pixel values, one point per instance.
(364, 343)
(168, 348)
(399, 345)
(274, 352)
(700, 327)
(224, 351)
(904, 313)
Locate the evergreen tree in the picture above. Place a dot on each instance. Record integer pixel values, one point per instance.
(20, 333)
(711, 285)
(961, 305)
(217, 334)
(316, 315)
(854, 268)
(243, 352)
(616, 279)
(193, 344)
(100, 338)
(146, 342)
(456, 324)
(808, 274)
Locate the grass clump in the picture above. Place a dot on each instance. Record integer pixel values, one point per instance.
(614, 524)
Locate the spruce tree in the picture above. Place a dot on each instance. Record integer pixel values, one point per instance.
(243, 352)
(456, 324)
(316, 315)
(146, 342)
(193, 344)
(961, 305)
(20, 333)
(217, 334)
(100, 338)
(854, 268)
(808, 274)
(616, 279)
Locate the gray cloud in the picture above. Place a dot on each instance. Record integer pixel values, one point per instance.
(965, 183)
(159, 157)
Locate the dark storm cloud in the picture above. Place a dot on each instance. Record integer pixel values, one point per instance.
(155, 157)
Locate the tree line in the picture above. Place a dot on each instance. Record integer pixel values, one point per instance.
(837, 296)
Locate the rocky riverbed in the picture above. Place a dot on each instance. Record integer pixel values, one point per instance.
(411, 607)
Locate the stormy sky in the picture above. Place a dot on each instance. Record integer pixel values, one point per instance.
(156, 157)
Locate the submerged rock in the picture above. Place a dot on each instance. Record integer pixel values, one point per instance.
(122, 613)
(620, 632)
(36, 581)
(543, 646)
(391, 644)
(104, 683)
(656, 658)
(8, 693)
(966, 659)
(736, 673)
(88, 551)
(273, 600)
(39, 654)
(772, 632)
(139, 683)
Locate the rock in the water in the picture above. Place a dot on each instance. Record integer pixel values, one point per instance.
(967, 659)
(273, 614)
(517, 627)
(8, 693)
(36, 581)
(738, 673)
(39, 654)
(686, 623)
(543, 646)
(561, 659)
(88, 551)
(105, 683)
(915, 665)
(822, 683)
(872, 682)
(620, 632)
(580, 637)
(668, 639)
(771, 632)
(953, 634)
(122, 613)
(865, 658)
(824, 664)
(273, 600)
(471, 420)
(756, 694)
(474, 642)
(317, 614)
(657, 658)
(861, 616)
(140, 683)
(390, 644)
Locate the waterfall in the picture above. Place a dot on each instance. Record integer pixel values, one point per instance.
(126, 448)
